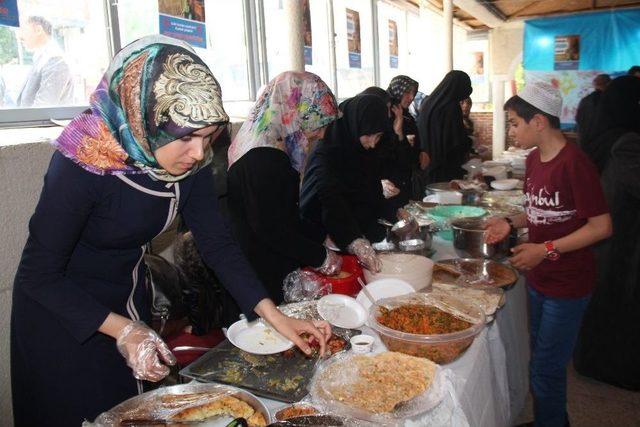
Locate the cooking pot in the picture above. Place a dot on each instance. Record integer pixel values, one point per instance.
(469, 240)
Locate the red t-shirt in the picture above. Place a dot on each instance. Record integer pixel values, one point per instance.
(561, 195)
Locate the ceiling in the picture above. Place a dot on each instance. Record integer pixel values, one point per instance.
(511, 10)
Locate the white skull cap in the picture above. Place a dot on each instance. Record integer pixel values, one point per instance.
(543, 96)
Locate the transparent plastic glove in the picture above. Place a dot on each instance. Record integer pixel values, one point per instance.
(365, 253)
(388, 189)
(331, 264)
(140, 345)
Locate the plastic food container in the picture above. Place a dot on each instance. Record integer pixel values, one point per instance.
(348, 284)
(443, 215)
(414, 269)
(440, 348)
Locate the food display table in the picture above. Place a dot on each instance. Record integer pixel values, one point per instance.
(488, 384)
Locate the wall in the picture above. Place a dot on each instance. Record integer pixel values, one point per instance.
(505, 45)
(483, 127)
(24, 157)
(22, 168)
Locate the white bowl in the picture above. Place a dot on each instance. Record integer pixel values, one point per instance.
(414, 269)
(445, 198)
(505, 184)
(384, 288)
(361, 344)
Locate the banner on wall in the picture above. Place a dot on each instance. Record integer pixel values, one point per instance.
(354, 44)
(306, 28)
(393, 44)
(184, 20)
(9, 13)
(569, 51)
(566, 53)
(573, 86)
(477, 67)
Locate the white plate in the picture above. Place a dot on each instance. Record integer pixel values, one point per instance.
(257, 337)
(384, 288)
(504, 184)
(342, 311)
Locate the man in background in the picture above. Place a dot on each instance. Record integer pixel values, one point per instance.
(586, 113)
(49, 80)
(634, 71)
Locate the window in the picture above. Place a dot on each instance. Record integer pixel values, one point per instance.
(226, 52)
(276, 37)
(321, 64)
(44, 62)
(392, 36)
(277, 45)
(354, 46)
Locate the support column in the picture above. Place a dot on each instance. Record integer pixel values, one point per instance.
(447, 14)
(499, 118)
(332, 48)
(293, 14)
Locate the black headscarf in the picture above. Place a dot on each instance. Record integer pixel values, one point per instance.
(341, 193)
(377, 91)
(618, 113)
(399, 85)
(362, 115)
(442, 132)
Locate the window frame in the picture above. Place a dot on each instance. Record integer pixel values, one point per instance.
(257, 65)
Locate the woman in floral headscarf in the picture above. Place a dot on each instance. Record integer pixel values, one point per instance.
(121, 172)
(265, 162)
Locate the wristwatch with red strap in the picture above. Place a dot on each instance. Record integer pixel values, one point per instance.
(552, 252)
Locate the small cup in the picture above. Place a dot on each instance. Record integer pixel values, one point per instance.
(361, 344)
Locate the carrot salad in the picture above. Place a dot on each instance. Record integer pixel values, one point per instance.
(421, 319)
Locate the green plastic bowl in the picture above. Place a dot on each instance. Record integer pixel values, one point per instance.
(442, 214)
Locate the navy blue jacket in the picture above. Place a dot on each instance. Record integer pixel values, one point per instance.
(82, 260)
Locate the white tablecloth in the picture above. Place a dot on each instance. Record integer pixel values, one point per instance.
(488, 384)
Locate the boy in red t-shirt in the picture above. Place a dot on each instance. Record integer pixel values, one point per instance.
(566, 213)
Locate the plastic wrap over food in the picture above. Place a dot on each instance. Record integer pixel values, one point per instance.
(195, 403)
(487, 297)
(300, 285)
(384, 389)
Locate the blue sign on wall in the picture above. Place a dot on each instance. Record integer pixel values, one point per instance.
(607, 40)
(9, 13)
(192, 32)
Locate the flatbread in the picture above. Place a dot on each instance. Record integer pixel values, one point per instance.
(224, 405)
(377, 384)
(487, 299)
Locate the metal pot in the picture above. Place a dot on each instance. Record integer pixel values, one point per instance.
(469, 240)
(471, 197)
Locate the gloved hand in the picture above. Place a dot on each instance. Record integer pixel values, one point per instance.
(140, 345)
(365, 253)
(331, 264)
(389, 190)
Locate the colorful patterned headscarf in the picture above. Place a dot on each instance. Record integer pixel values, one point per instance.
(399, 85)
(155, 91)
(291, 103)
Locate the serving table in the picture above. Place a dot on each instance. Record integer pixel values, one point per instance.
(488, 384)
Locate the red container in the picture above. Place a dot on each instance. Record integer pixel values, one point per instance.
(345, 285)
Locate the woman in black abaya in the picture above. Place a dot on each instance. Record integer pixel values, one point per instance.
(609, 343)
(341, 195)
(441, 128)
